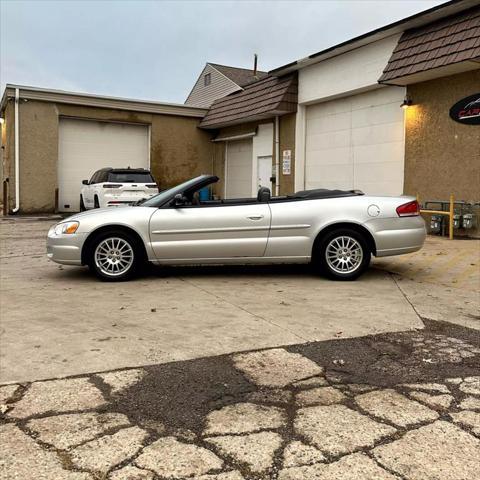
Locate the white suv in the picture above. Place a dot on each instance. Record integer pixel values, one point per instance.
(116, 187)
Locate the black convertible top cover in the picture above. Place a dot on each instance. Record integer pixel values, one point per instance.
(325, 193)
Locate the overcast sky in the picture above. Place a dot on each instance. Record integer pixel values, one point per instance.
(156, 49)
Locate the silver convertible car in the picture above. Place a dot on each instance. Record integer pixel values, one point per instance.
(336, 230)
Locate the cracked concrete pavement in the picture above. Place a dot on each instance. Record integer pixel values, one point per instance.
(231, 373)
(401, 406)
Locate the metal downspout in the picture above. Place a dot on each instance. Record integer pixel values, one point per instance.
(17, 153)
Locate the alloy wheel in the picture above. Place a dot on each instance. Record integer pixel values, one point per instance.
(344, 254)
(114, 256)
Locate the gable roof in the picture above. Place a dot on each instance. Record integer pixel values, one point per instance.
(451, 40)
(265, 98)
(240, 76)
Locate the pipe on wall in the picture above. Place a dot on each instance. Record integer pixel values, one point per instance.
(17, 153)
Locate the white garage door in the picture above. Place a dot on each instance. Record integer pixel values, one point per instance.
(86, 146)
(357, 142)
(239, 169)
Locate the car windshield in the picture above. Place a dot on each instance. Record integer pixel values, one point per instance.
(130, 177)
(160, 198)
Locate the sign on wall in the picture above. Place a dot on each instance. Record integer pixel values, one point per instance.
(467, 110)
(287, 162)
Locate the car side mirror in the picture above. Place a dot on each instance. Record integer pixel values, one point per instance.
(85, 182)
(179, 200)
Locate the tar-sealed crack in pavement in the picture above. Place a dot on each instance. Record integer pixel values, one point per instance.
(391, 406)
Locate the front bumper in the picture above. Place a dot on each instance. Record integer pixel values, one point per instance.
(65, 249)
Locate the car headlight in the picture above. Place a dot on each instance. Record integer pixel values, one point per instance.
(66, 228)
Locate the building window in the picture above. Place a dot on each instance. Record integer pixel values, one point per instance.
(207, 79)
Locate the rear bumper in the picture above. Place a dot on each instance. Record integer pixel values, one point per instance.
(125, 199)
(65, 249)
(396, 236)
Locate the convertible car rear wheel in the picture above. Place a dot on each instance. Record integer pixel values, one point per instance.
(343, 254)
(115, 256)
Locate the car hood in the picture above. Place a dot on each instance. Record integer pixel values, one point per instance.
(101, 212)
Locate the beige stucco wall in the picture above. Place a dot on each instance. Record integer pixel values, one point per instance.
(38, 156)
(441, 156)
(287, 142)
(179, 150)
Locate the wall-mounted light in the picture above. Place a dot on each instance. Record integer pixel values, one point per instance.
(2, 120)
(407, 101)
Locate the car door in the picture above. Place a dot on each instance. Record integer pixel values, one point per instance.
(210, 232)
(291, 227)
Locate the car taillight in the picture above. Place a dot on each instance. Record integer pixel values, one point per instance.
(112, 185)
(409, 209)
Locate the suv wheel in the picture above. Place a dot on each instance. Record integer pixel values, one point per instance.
(115, 256)
(343, 254)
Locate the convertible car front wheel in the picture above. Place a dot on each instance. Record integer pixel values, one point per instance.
(115, 256)
(343, 254)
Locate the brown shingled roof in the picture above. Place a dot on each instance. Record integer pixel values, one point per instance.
(241, 76)
(450, 40)
(265, 98)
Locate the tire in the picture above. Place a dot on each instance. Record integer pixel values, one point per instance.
(82, 205)
(115, 256)
(343, 254)
(96, 203)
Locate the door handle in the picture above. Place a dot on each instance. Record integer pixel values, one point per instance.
(255, 217)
